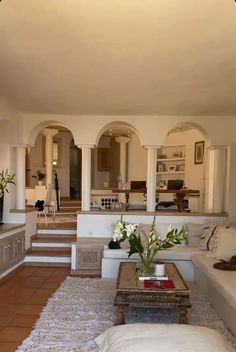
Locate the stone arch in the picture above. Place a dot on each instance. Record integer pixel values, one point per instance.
(40, 126)
(112, 125)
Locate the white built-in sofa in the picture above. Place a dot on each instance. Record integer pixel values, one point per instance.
(195, 265)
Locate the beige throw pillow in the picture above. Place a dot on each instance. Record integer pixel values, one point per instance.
(225, 244)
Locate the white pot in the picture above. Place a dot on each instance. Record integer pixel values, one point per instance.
(159, 269)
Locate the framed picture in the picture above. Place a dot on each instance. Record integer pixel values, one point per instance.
(181, 168)
(199, 152)
(171, 168)
(104, 159)
(160, 168)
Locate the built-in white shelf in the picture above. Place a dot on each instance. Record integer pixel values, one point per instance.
(170, 172)
(171, 159)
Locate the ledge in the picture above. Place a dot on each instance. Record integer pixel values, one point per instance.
(9, 227)
(158, 213)
(26, 210)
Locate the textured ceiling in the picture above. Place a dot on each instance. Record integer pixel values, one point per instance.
(119, 56)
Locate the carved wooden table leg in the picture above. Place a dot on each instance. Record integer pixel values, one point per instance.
(183, 318)
(120, 315)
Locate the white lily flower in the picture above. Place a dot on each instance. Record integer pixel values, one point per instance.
(130, 229)
(117, 235)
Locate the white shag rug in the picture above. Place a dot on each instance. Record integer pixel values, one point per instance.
(81, 309)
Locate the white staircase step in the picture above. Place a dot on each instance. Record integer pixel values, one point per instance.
(47, 259)
(57, 231)
(53, 244)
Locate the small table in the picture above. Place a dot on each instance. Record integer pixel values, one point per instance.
(130, 292)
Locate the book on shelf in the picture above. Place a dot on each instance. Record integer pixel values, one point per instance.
(154, 277)
(158, 284)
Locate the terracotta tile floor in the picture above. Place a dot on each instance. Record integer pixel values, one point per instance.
(22, 297)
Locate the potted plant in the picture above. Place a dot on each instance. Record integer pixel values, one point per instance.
(5, 179)
(147, 247)
(39, 176)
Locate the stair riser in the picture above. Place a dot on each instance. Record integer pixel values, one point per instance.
(50, 245)
(42, 259)
(56, 232)
(50, 251)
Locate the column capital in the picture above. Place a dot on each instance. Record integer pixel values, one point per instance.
(21, 146)
(81, 146)
(49, 132)
(152, 146)
(217, 147)
(123, 139)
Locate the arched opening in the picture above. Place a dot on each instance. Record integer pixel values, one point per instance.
(66, 160)
(181, 163)
(118, 161)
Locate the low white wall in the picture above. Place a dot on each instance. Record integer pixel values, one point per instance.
(27, 218)
(97, 224)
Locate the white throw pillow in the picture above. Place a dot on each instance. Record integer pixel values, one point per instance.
(209, 233)
(142, 337)
(225, 244)
(194, 234)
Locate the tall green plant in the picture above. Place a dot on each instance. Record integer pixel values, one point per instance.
(5, 179)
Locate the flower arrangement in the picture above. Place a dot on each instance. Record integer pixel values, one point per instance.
(39, 175)
(148, 247)
(5, 179)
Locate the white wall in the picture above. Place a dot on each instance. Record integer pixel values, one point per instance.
(137, 161)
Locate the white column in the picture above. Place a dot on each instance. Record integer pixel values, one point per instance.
(20, 177)
(86, 178)
(151, 178)
(216, 184)
(123, 157)
(49, 133)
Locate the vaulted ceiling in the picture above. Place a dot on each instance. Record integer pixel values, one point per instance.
(119, 56)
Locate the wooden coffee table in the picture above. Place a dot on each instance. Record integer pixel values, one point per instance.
(130, 292)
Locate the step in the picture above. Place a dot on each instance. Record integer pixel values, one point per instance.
(51, 247)
(48, 257)
(54, 238)
(56, 231)
(45, 259)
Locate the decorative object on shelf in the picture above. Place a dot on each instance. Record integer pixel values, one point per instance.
(161, 184)
(147, 244)
(5, 179)
(171, 168)
(199, 152)
(39, 176)
(181, 168)
(177, 155)
(160, 168)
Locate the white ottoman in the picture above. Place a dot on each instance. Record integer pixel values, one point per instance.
(162, 338)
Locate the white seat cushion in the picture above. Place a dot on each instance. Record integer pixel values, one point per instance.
(224, 281)
(156, 337)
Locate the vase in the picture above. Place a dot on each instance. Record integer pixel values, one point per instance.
(146, 267)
